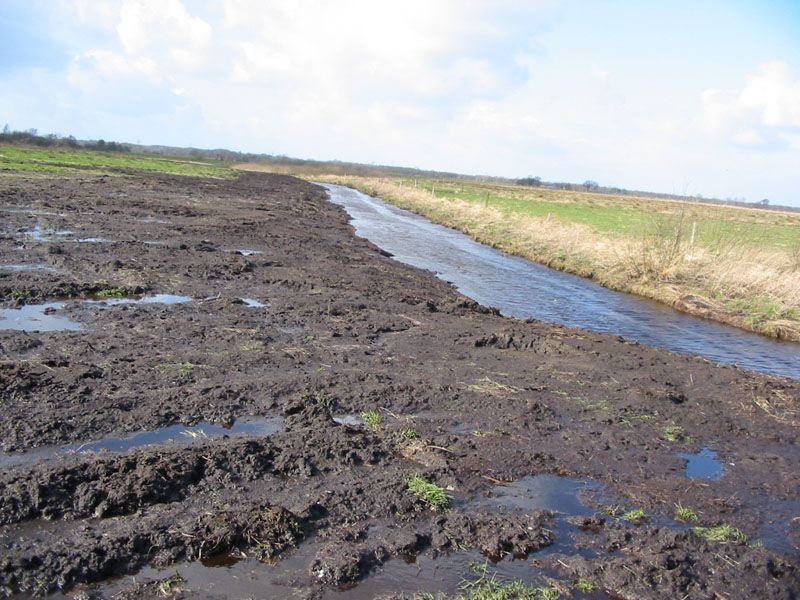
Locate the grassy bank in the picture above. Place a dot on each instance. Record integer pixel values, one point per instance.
(733, 265)
(58, 160)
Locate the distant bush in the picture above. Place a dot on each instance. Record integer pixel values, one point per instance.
(530, 181)
(31, 137)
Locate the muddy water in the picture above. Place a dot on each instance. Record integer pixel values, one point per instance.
(703, 465)
(521, 289)
(150, 299)
(228, 577)
(253, 303)
(45, 317)
(29, 267)
(173, 434)
(37, 317)
(290, 577)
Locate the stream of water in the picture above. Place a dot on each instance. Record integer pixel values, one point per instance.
(522, 289)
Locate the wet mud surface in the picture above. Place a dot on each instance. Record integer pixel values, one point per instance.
(544, 437)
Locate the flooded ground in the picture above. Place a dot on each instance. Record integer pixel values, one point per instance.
(37, 317)
(49, 316)
(172, 434)
(258, 429)
(703, 464)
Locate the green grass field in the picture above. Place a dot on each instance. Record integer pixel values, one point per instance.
(630, 216)
(57, 160)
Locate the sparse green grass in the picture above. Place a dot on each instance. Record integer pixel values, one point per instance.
(601, 404)
(493, 590)
(682, 513)
(51, 160)
(637, 516)
(17, 295)
(409, 434)
(629, 417)
(611, 510)
(674, 433)
(171, 585)
(433, 495)
(724, 534)
(584, 585)
(114, 292)
(372, 418)
(489, 587)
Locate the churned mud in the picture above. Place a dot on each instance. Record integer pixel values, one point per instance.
(140, 308)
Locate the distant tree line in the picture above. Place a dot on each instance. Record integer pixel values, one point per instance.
(592, 186)
(31, 137)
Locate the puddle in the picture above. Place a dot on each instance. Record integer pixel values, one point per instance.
(252, 303)
(246, 252)
(353, 420)
(446, 575)
(151, 220)
(30, 267)
(223, 577)
(172, 434)
(43, 317)
(46, 235)
(703, 465)
(37, 317)
(565, 497)
(95, 240)
(148, 299)
(32, 211)
(560, 495)
(781, 530)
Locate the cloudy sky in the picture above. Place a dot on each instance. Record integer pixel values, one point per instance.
(687, 96)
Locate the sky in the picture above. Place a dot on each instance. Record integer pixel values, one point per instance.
(685, 96)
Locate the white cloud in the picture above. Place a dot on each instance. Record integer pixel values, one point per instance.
(148, 27)
(505, 88)
(600, 74)
(289, 72)
(761, 112)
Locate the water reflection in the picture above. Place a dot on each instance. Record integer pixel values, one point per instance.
(523, 290)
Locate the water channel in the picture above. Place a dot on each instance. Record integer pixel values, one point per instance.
(522, 289)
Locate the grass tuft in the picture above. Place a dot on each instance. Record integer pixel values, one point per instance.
(674, 433)
(724, 534)
(682, 513)
(433, 495)
(372, 418)
(114, 292)
(637, 516)
(409, 434)
(584, 585)
(489, 587)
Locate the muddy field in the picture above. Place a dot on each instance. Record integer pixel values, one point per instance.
(220, 338)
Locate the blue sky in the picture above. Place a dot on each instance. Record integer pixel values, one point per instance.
(696, 97)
